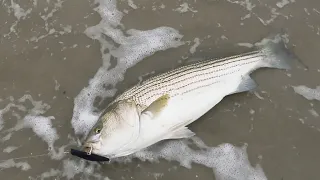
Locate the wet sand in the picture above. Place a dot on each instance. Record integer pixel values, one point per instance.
(49, 54)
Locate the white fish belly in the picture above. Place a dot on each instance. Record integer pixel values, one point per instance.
(181, 111)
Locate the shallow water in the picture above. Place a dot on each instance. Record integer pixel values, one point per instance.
(57, 57)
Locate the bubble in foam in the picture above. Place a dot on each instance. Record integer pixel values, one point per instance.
(42, 126)
(129, 50)
(227, 161)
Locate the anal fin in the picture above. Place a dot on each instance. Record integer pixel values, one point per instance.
(180, 133)
(247, 84)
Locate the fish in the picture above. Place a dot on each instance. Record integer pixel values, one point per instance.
(161, 107)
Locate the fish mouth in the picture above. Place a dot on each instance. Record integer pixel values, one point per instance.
(87, 148)
(90, 147)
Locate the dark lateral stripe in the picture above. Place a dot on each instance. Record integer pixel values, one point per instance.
(144, 90)
(173, 88)
(157, 95)
(205, 63)
(192, 68)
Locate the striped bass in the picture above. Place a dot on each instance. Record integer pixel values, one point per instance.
(161, 107)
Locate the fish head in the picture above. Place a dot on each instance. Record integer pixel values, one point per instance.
(115, 130)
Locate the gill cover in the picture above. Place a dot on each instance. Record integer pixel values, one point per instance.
(120, 127)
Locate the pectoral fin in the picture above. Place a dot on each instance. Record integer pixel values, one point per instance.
(180, 133)
(156, 106)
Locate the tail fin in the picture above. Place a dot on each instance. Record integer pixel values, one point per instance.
(276, 54)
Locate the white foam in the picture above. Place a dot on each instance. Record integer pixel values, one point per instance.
(9, 149)
(195, 45)
(57, 154)
(57, 5)
(314, 113)
(72, 167)
(248, 45)
(162, 6)
(227, 161)
(283, 3)
(2, 112)
(67, 29)
(7, 109)
(275, 39)
(6, 137)
(42, 126)
(38, 106)
(141, 78)
(18, 11)
(35, 2)
(184, 7)
(247, 4)
(131, 4)
(223, 37)
(308, 93)
(11, 163)
(133, 48)
(56, 85)
(49, 174)
(156, 175)
(273, 12)
(307, 11)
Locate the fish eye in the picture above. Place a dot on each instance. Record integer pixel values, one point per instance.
(97, 130)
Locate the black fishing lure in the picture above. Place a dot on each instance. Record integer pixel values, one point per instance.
(91, 157)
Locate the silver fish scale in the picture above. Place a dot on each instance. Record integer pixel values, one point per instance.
(189, 77)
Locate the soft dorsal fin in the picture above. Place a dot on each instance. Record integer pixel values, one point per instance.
(157, 106)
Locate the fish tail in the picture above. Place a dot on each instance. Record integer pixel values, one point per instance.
(276, 55)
